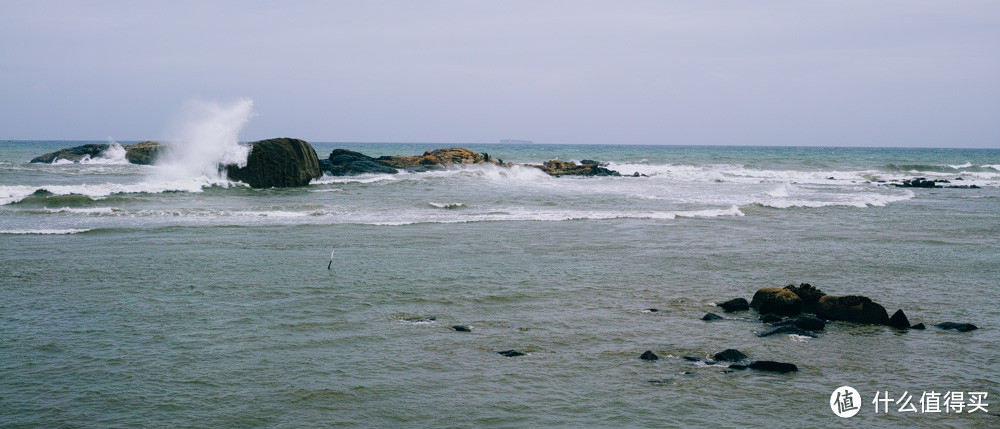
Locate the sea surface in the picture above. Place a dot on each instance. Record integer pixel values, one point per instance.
(164, 296)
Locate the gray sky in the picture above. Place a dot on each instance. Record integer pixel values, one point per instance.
(843, 73)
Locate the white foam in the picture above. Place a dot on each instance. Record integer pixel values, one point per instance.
(446, 205)
(205, 136)
(43, 231)
(86, 211)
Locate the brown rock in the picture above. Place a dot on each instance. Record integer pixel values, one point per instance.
(437, 159)
(809, 294)
(144, 153)
(782, 302)
(851, 308)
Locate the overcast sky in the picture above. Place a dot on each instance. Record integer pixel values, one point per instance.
(840, 73)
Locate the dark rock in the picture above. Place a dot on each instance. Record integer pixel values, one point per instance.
(851, 308)
(511, 353)
(652, 310)
(735, 304)
(692, 358)
(770, 318)
(782, 302)
(649, 355)
(919, 182)
(74, 154)
(786, 329)
(278, 163)
(561, 168)
(809, 294)
(461, 328)
(343, 162)
(730, 355)
(738, 366)
(805, 322)
(919, 326)
(144, 153)
(899, 320)
(960, 327)
(772, 366)
(711, 316)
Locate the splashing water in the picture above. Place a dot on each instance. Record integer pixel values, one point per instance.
(205, 136)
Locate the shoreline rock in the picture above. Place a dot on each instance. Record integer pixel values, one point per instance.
(852, 308)
(781, 302)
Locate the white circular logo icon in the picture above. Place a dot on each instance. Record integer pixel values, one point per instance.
(845, 401)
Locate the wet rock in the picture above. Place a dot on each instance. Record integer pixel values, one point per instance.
(809, 294)
(772, 366)
(648, 355)
(74, 154)
(782, 302)
(960, 327)
(919, 326)
(277, 163)
(433, 160)
(809, 323)
(919, 182)
(144, 153)
(510, 353)
(461, 328)
(652, 310)
(735, 304)
(730, 355)
(786, 329)
(770, 318)
(899, 320)
(711, 316)
(738, 366)
(343, 162)
(562, 168)
(851, 308)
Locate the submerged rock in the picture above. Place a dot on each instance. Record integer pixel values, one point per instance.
(782, 302)
(278, 163)
(648, 355)
(510, 353)
(960, 327)
(772, 366)
(786, 329)
(730, 355)
(805, 322)
(735, 304)
(461, 328)
(851, 308)
(770, 318)
(919, 326)
(711, 316)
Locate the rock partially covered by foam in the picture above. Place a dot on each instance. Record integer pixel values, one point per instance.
(73, 154)
(562, 168)
(278, 163)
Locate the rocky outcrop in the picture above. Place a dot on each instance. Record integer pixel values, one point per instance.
(782, 302)
(73, 154)
(851, 308)
(278, 163)
(809, 294)
(730, 355)
(649, 355)
(960, 327)
(144, 153)
(736, 304)
(433, 160)
(899, 320)
(772, 366)
(343, 162)
(562, 168)
(708, 317)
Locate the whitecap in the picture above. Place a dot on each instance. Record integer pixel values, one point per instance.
(44, 231)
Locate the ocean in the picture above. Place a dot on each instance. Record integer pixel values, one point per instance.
(166, 296)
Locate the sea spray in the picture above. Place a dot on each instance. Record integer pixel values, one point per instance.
(205, 136)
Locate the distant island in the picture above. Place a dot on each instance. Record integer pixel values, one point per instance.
(513, 141)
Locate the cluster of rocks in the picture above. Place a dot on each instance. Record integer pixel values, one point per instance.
(737, 361)
(805, 310)
(922, 182)
(286, 162)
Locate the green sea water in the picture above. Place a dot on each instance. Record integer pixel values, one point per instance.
(131, 298)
